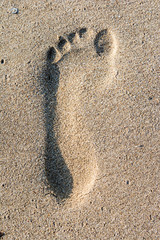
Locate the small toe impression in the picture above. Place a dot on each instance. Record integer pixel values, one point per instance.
(55, 54)
(63, 45)
(82, 32)
(62, 42)
(71, 36)
(51, 54)
(103, 42)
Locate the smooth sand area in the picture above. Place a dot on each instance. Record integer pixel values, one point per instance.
(79, 120)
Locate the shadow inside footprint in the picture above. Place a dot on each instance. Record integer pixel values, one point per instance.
(57, 173)
(102, 42)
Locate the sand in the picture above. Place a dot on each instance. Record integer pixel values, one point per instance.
(79, 125)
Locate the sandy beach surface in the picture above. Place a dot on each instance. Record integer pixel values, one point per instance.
(80, 120)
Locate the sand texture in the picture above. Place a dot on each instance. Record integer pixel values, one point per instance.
(80, 120)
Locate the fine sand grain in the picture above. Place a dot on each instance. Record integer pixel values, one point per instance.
(79, 125)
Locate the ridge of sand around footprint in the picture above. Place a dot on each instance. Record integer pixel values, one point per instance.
(75, 69)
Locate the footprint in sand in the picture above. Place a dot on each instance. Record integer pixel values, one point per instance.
(79, 63)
